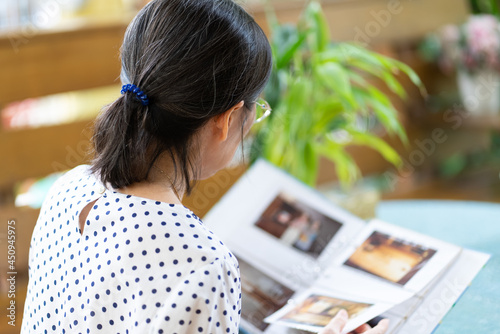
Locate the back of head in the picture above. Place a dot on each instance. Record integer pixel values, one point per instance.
(194, 59)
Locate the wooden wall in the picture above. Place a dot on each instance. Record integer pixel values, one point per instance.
(38, 63)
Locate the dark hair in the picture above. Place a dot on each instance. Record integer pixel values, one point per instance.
(194, 59)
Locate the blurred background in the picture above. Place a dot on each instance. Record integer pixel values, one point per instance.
(59, 65)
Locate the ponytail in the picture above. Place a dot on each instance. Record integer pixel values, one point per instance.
(117, 137)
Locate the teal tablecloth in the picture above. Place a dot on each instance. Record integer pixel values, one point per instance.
(474, 225)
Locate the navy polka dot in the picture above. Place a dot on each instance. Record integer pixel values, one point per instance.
(152, 277)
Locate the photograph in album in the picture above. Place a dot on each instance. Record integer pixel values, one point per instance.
(261, 295)
(297, 225)
(318, 310)
(390, 258)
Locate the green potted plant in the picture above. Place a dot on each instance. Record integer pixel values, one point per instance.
(323, 100)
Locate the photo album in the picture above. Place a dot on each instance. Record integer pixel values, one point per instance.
(302, 259)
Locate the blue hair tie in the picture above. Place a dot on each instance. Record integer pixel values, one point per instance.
(139, 93)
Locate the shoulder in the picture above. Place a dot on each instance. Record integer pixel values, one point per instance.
(77, 174)
(71, 184)
(70, 180)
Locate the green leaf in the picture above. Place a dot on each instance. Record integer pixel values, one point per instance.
(326, 111)
(331, 54)
(395, 66)
(345, 166)
(385, 112)
(377, 95)
(357, 53)
(413, 77)
(393, 84)
(387, 116)
(376, 71)
(316, 21)
(298, 104)
(289, 53)
(358, 80)
(286, 42)
(335, 77)
(311, 164)
(377, 144)
(342, 52)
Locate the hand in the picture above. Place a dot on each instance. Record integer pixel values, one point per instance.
(338, 323)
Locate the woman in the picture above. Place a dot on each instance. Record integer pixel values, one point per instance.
(114, 250)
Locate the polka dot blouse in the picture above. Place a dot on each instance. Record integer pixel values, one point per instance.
(140, 266)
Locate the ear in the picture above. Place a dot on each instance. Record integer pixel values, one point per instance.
(223, 121)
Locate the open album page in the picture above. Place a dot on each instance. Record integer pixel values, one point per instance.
(302, 258)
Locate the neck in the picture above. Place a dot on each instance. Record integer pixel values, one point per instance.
(158, 187)
(173, 187)
(155, 191)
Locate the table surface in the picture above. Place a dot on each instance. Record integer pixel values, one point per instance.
(473, 225)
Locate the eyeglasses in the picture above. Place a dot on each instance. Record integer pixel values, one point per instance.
(262, 110)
